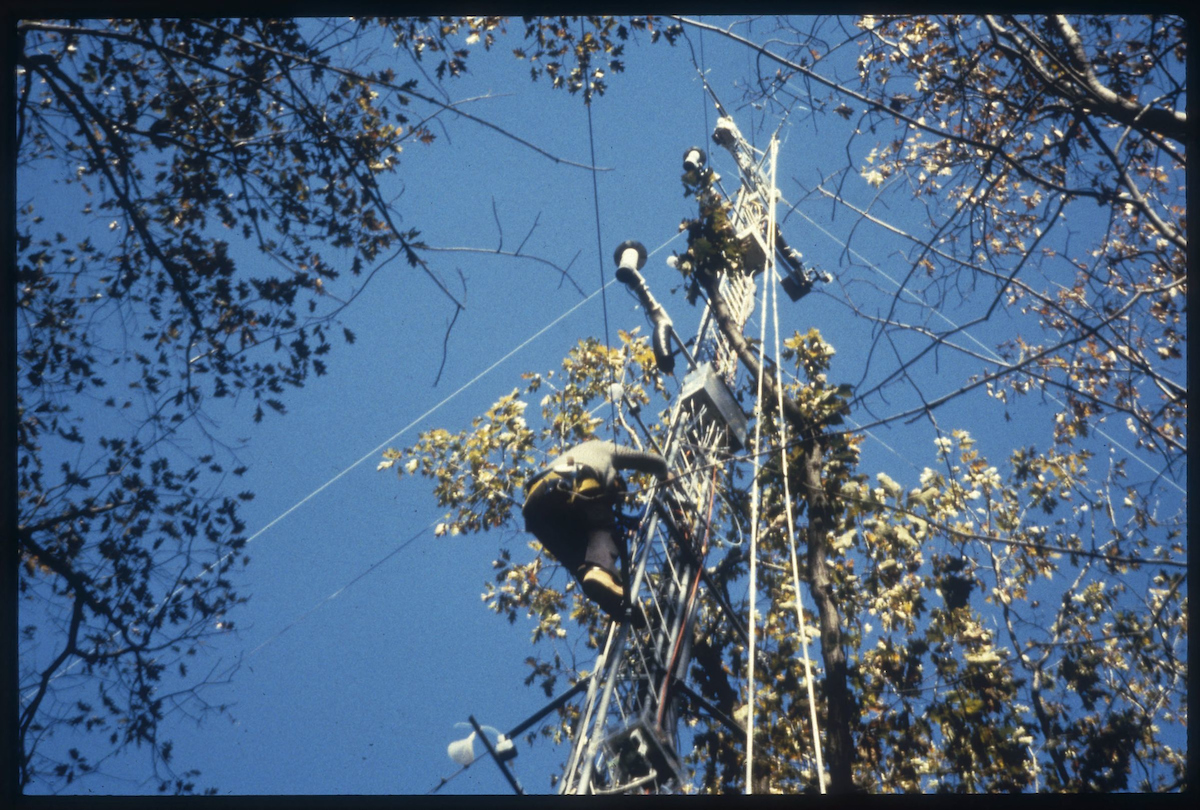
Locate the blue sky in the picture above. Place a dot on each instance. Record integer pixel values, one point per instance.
(355, 665)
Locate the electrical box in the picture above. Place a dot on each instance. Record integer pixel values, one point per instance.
(712, 398)
(796, 284)
(754, 261)
(639, 756)
(504, 748)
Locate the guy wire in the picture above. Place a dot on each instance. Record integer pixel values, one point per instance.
(587, 102)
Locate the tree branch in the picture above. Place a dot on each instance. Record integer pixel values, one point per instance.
(30, 711)
(1135, 196)
(513, 254)
(402, 90)
(1170, 123)
(1163, 383)
(73, 514)
(175, 273)
(886, 108)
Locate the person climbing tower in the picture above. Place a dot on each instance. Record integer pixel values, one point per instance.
(569, 507)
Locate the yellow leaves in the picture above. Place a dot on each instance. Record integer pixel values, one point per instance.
(34, 565)
(890, 485)
(364, 100)
(843, 541)
(922, 497)
(638, 348)
(811, 352)
(873, 177)
(985, 658)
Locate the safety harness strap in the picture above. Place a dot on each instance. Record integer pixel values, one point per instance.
(582, 481)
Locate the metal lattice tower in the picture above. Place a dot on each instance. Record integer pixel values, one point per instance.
(626, 739)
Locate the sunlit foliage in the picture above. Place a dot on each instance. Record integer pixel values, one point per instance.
(1004, 624)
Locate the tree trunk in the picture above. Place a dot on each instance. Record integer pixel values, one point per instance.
(821, 521)
(840, 752)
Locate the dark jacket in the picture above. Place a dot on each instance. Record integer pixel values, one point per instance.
(605, 458)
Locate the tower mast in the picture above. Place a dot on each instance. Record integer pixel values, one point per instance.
(626, 739)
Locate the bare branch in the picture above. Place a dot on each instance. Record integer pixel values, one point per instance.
(885, 107)
(445, 346)
(1168, 386)
(514, 255)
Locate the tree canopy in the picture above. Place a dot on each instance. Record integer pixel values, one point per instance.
(199, 201)
(996, 623)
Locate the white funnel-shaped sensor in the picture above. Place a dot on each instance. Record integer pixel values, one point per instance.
(463, 751)
(630, 257)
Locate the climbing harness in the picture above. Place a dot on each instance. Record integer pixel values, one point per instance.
(566, 483)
